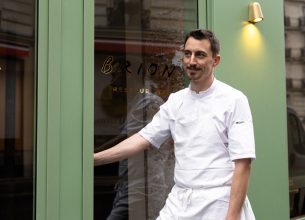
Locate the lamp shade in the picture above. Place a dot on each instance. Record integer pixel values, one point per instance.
(255, 12)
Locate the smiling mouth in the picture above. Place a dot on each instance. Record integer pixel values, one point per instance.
(192, 68)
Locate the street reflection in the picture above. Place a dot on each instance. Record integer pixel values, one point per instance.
(17, 58)
(295, 91)
(137, 66)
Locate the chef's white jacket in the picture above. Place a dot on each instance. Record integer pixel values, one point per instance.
(210, 130)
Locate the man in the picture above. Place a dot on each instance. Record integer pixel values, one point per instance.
(211, 125)
(131, 184)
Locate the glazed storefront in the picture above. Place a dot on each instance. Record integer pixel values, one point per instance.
(80, 76)
(137, 65)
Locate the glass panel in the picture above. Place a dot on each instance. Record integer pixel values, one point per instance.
(17, 52)
(137, 66)
(295, 78)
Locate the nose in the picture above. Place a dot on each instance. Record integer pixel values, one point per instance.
(192, 60)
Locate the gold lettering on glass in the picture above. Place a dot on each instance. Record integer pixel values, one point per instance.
(107, 65)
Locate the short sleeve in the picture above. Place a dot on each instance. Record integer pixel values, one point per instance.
(158, 130)
(240, 130)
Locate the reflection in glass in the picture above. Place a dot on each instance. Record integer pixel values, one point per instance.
(137, 66)
(295, 90)
(296, 159)
(17, 40)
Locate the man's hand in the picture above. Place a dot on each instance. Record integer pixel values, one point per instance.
(123, 150)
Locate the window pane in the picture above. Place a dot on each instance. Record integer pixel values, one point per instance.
(137, 66)
(17, 49)
(295, 78)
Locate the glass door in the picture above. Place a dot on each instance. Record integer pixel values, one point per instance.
(137, 66)
(17, 53)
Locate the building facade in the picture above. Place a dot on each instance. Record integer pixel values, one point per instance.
(295, 44)
(77, 76)
(295, 91)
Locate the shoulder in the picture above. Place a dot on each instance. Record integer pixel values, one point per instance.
(228, 92)
(177, 96)
(173, 103)
(230, 98)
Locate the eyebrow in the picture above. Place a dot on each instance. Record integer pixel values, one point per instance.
(196, 51)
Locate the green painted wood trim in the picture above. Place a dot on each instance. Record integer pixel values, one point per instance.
(64, 188)
(41, 106)
(202, 14)
(48, 110)
(71, 122)
(54, 110)
(210, 14)
(88, 112)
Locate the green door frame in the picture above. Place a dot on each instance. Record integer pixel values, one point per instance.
(65, 56)
(64, 174)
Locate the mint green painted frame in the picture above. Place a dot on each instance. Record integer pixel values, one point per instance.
(202, 14)
(64, 172)
(262, 79)
(64, 166)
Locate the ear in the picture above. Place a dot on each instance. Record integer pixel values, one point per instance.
(216, 60)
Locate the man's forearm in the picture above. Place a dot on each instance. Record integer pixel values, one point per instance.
(239, 188)
(123, 150)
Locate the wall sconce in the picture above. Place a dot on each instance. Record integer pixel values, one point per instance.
(255, 12)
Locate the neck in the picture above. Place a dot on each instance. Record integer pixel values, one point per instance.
(198, 86)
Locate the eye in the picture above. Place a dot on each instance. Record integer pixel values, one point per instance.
(200, 54)
(187, 53)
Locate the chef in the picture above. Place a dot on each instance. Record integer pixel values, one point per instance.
(211, 125)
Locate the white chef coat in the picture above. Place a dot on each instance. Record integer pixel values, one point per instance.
(210, 130)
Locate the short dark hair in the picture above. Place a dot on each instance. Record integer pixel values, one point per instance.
(203, 34)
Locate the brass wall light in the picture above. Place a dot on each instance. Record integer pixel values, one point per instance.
(255, 12)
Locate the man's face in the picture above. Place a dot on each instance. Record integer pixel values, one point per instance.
(198, 60)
